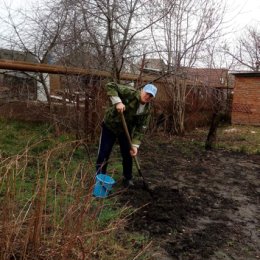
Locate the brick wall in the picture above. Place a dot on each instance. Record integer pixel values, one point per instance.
(246, 100)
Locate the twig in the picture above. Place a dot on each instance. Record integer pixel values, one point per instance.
(140, 253)
(81, 247)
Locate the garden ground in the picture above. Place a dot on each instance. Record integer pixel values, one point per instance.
(204, 204)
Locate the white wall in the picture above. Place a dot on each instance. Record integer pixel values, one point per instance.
(41, 95)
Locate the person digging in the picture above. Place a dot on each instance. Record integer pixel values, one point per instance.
(136, 109)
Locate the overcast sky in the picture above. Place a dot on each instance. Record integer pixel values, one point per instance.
(244, 12)
(240, 13)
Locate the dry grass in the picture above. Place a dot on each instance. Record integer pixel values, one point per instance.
(47, 210)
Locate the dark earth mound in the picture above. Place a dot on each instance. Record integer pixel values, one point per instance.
(204, 205)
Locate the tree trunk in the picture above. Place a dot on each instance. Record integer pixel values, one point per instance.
(212, 134)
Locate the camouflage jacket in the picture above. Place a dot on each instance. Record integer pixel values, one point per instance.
(137, 123)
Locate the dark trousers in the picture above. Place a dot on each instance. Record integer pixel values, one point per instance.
(107, 141)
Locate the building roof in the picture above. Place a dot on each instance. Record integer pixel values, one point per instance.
(7, 54)
(217, 78)
(154, 65)
(246, 73)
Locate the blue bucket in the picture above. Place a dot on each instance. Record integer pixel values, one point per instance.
(103, 185)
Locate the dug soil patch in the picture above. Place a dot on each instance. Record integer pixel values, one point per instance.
(204, 205)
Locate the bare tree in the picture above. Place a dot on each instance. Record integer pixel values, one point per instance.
(247, 51)
(89, 33)
(186, 29)
(108, 33)
(37, 33)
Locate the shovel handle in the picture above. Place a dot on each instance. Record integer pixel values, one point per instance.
(129, 139)
(126, 129)
(146, 187)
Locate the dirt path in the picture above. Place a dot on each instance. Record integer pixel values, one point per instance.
(204, 206)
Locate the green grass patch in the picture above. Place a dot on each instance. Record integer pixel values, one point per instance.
(245, 139)
(237, 138)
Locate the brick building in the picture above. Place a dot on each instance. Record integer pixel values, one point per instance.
(246, 98)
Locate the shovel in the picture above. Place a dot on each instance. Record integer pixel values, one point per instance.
(146, 187)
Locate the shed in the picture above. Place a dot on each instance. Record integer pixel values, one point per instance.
(16, 84)
(246, 98)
